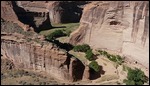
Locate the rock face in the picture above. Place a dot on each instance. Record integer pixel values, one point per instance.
(28, 50)
(8, 14)
(46, 58)
(34, 14)
(120, 26)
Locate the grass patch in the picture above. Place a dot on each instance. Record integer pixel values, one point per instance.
(68, 28)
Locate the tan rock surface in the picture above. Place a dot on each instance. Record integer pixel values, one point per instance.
(117, 26)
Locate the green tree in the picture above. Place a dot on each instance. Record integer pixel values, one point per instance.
(89, 55)
(94, 65)
(81, 48)
(137, 76)
(55, 34)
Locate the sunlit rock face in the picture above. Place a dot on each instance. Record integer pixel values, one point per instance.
(120, 26)
(47, 58)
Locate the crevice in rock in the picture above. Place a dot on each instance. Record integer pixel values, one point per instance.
(67, 62)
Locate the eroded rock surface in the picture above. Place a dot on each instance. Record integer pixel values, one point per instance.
(120, 26)
(8, 14)
(42, 57)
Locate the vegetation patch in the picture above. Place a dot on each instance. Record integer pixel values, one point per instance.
(89, 55)
(81, 48)
(94, 65)
(55, 34)
(67, 28)
(114, 58)
(135, 77)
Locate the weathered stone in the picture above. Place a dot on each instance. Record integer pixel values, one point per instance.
(120, 26)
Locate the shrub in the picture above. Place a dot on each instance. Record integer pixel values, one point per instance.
(114, 58)
(100, 52)
(135, 77)
(81, 48)
(119, 59)
(89, 55)
(94, 65)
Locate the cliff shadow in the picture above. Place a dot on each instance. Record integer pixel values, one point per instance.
(94, 74)
(28, 17)
(71, 12)
(23, 16)
(66, 46)
(46, 25)
(58, 27)
(77, 70)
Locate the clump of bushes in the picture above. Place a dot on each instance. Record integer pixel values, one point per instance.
(89, 55)
(114, 58)
(135, 77)
(58, 33)
(94, 65)
(81, 48)
(86, 49)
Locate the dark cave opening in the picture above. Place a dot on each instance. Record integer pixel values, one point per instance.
(77, 70)
(94, 74)
(114, 23)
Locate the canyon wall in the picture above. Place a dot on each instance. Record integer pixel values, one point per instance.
(46, 57)
(34, 14)
(29, 50)
(39, 15)
(58, 11)
(119, 26)
(8, 14)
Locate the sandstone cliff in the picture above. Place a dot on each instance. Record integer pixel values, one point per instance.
(8, 14)
(57, 11)
(27, 49)
(41, 57)
(120, 26)
(40, 15)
